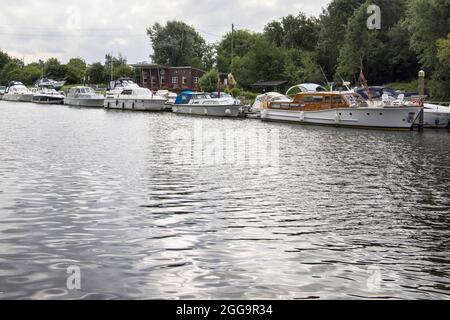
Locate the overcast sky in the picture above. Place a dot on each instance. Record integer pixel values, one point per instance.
(89, 29)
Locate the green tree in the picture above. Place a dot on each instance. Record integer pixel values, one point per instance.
(370, 47)
(428, 21)
(301, 67)
(208, 82)
(243, 40)
(333, 24)
(31, 73)
(443, 51)
(12, 71)
(176, 44)
(76, 70)
(54, 69)
(264, 61)
(4, 59)
(299, 32)
(96, 73)
(123, 70)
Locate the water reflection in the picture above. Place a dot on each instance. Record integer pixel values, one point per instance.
(350, 214)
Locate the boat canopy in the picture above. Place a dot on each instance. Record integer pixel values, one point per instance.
(305, 87)
(186, 96)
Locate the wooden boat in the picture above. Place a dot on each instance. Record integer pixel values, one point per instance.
(343, 109)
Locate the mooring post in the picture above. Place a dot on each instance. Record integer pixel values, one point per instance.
(421, 83)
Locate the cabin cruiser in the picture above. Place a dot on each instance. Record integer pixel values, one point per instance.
(84, 97)
(47, 94)
(117, 86)
(16, 91)
(127, 95)
(44, 82)
(170, 96)
(344, 109)
(435, 116)
(199, 103)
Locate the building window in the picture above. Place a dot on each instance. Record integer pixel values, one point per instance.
(163, 79)
(153, 81)
(195, 80)
(174, 80)
(184, 80)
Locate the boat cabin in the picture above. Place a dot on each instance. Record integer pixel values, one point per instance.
(316, 101)
(190, 97)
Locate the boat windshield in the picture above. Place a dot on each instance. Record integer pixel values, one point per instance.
(142, 92)
(355, 100)
(200, 96)
(86, 90)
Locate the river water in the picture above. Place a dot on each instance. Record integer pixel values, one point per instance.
(99, 204)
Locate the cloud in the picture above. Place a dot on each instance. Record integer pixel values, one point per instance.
(90, 29)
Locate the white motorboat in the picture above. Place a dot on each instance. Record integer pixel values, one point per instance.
(44, 82)
(84, 97)
(343, 109)
(127, 95)
(436, 116)
(46, 94)
(16, 91)
(198, 103)
(170, 96)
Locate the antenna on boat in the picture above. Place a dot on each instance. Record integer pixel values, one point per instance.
(232, 43)
(363, 81)
(326, 79)
(112, 67)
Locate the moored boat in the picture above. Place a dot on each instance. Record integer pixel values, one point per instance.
(127, 95)
(17, 91)
(84, 97)
(49, 82)
(343, 109)
(199, 103)
(436, 116)
(46, 94)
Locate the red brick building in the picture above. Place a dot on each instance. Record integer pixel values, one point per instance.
(176, 79)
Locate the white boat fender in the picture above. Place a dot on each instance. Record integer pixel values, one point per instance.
(263, 113)
(205, 111)
(302, 116)
(337, 118)
(228, 111)
(190, 110)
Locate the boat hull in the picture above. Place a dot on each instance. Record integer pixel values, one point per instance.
(135, 105)
(209, 110)
(87, 103)
(439, 117)
(48, 100)
(18, 97)
(382, 118)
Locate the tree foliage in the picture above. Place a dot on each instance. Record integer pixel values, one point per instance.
(208, 82)
(176, 44)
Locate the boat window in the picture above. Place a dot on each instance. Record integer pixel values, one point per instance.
(336, 100)
(127, 92)
(312, 99)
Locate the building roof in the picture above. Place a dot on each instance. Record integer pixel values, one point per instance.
(269, 83)
(152, 65)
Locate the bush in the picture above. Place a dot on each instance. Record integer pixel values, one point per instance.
(235, 92)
